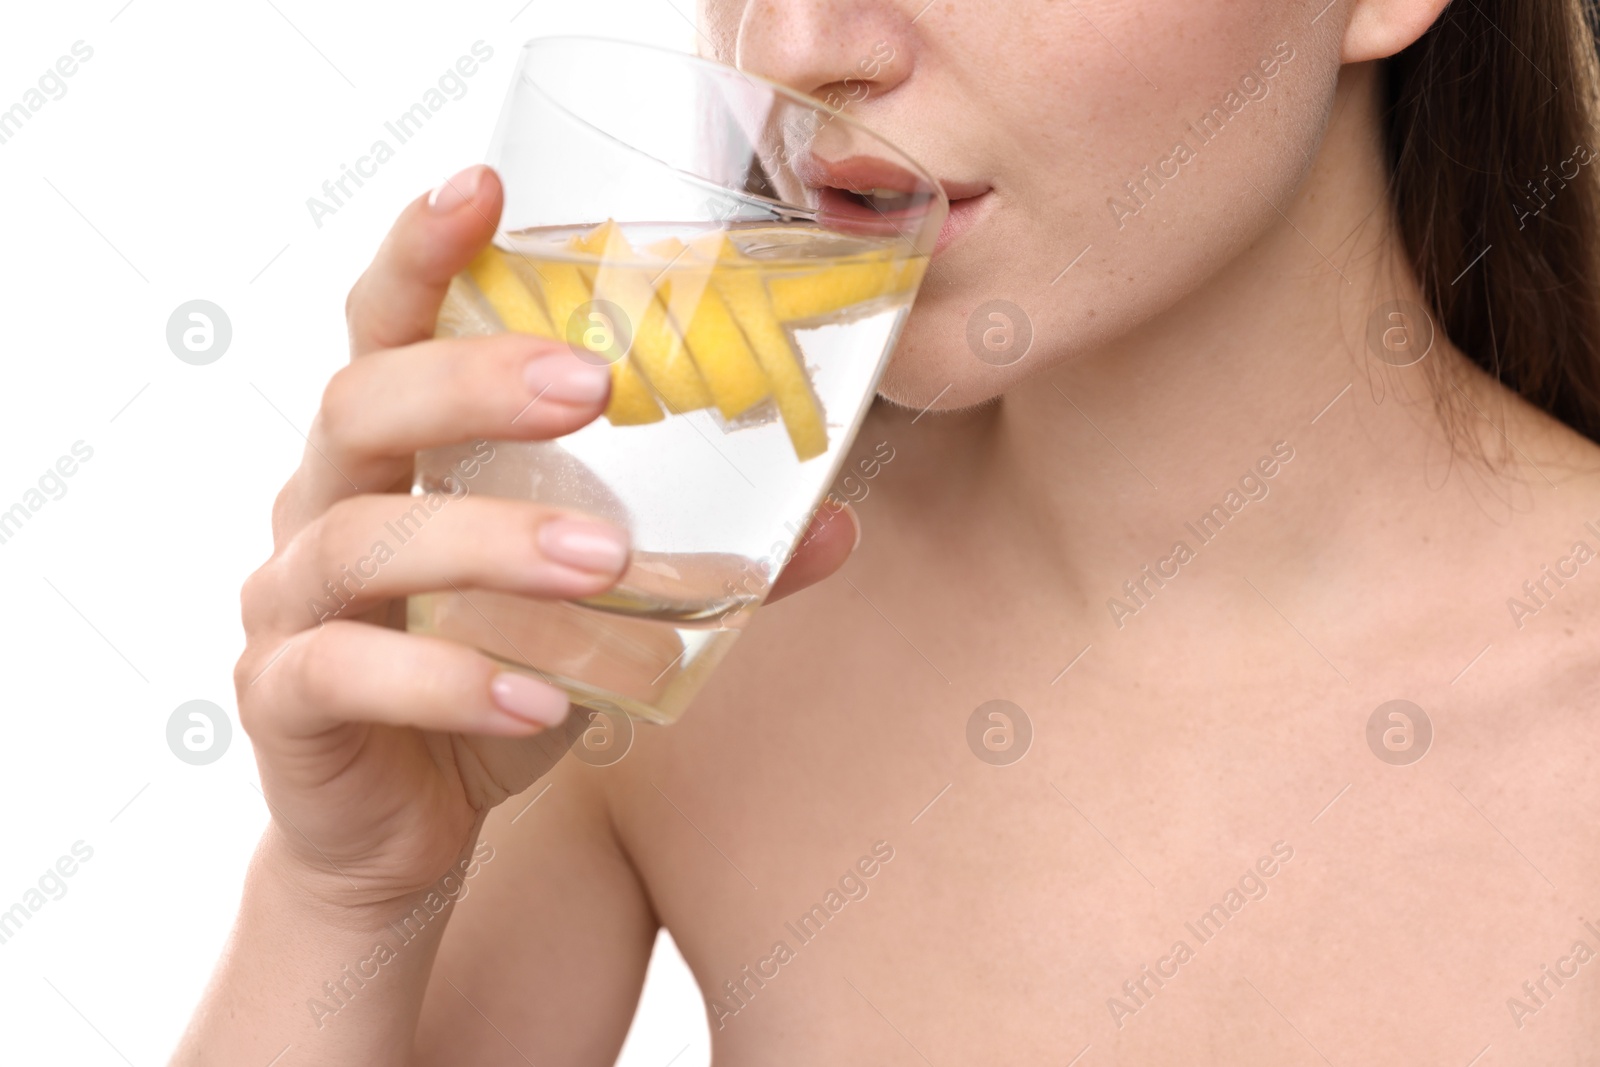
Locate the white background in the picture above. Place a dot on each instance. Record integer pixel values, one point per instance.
(177, 166)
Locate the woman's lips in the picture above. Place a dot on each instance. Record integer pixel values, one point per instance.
(836, 180)
(858, 174)
(843, 206)
(964, 212)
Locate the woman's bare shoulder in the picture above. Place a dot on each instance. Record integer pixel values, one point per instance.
(550, 936)
(1547, 573)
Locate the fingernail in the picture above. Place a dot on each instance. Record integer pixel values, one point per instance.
(834, 507)
(526, 699)
(855, 520)
(456, 191)
(590, 546)
(567, 379)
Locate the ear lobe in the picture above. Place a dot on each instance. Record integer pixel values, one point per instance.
(1378, 29)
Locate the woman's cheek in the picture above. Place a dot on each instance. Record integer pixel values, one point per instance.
(1130, 180)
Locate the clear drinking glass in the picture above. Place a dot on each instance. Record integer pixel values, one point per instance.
(743, 257)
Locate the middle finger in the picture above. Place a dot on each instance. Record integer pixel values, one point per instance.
(369, 549)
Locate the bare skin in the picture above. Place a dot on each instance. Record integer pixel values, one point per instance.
(1219, 729)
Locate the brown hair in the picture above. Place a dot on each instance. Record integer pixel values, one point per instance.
(1490, 126)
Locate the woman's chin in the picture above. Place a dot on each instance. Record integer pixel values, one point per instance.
(941, 378)
(955, 352)
(933, 368)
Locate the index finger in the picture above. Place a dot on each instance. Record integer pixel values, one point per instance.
(396, 300)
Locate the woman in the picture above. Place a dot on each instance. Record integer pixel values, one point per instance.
(1304, 425)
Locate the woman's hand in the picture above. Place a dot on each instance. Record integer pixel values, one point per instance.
(381, 751)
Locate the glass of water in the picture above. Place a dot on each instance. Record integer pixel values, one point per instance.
(742, 257)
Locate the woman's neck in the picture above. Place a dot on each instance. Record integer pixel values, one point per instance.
(1114, 458)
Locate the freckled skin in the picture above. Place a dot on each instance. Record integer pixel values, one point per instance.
(1174, 745)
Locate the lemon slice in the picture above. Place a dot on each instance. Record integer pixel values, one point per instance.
(519, 310)
(727, 365)
(742, 290)
(564, 292)
(814, 294)
(626, 280)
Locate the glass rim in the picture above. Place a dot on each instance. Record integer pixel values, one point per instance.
(793, 96)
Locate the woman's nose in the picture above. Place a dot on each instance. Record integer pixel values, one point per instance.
(840, 51)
